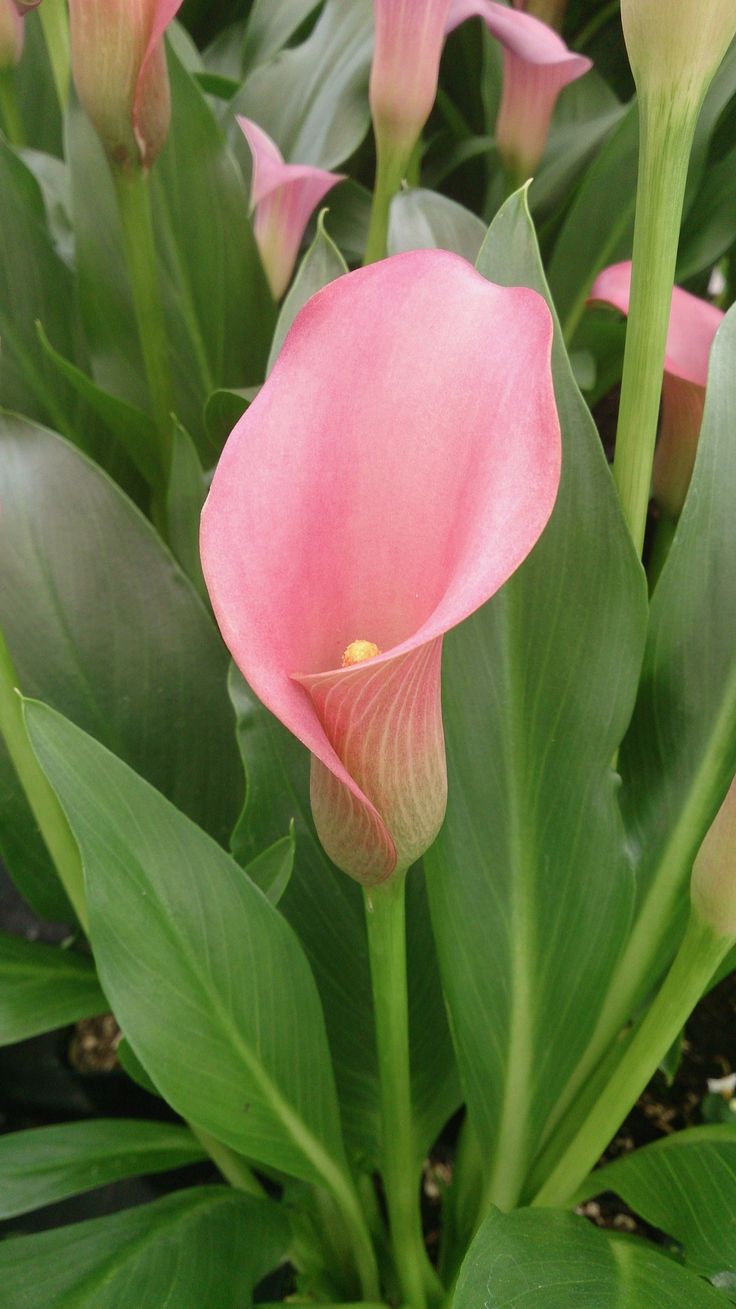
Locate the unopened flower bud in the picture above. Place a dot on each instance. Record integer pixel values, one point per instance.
(674, 49)
(119, 69)
(11, 34)
(406, 60)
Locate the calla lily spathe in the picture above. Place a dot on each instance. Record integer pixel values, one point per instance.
(398, 465)
(410, 35)
(119, 69)
(537, 65)
(283, 198)
(11, 34)
(692, 328)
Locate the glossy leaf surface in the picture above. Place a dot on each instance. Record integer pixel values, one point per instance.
(207, 1246)
(43, 987)
(45, 1164)
(201, 971)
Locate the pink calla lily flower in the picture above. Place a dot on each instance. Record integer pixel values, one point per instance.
(283, 197)
(693, 325)
(119, 69)
(11, 34)
(537, 65)
(405, 69)
(398, 465)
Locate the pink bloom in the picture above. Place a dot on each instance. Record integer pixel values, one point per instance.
(283, 196)
(693, 325)
(398, 465)
(11, 34)
(406, 60)
(119, 69)
(537, 65)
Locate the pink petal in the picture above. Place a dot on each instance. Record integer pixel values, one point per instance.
(693, 322)
(405, 68)
(537, 65)
(284, 197)
(151, 106)
(397, 466)
(11, 34)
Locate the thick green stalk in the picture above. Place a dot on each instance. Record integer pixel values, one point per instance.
(140, 253)
(665, 142)
(389, 172)
(232, 1165)
(695, 963)
(42, 799)
(10, 118)
(55, 24)
(387, 949)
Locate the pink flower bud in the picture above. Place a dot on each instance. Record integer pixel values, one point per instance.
(693, 325)
(11, 34)
(536, 66)
(283, 198)
(406, 60)
(119, 68)
(713, 883)
(397, 466)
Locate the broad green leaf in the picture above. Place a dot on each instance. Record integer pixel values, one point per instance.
(222, 411)
(325, 115)
(272, 869)
(206, 1246)
(43, 987)
(185, 495)
(201, 971)
(529, 880)
(127, 652)
(35, 91)
(326, 909)
(541, 1259)
(350, 212)
(219, 313)
(586, 115)
(680, 753)
(53, 178)
(321, 264)
(271, 26)
(685, 1185)
(421, 220)
(46, 1164)
(710, 227)
(35, 285)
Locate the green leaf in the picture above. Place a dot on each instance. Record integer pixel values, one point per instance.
(43, 987)
(710, 227)
(47, 1164)
(321, 264)
(219, 313)
(325, 115)
(35, 90)
(271, 26)
(421, 220)
(685, 1185)
(272, 869)
(185, 496)
(129, 653)
(680, 753)
(326, 910)
(201, 971)
(206, 1246)
(529, 880)
(540, 1259)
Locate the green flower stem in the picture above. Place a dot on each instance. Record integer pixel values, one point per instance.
(232, 1166)
(10, 118)
(55, 24)
(664, 152)
(42, 799)
(134, 205)
(390, 169)
(385, 921)
(695, 963)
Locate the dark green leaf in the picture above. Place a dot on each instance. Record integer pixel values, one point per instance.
(540, 1259)
(208, 1246)
(222, 411)
(43, 987)
(272, 869)
(271, 26)
(185, 496)
(529, 880)
(47, 1164)
(685, 1185)
(128, 652)
(201, 971)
